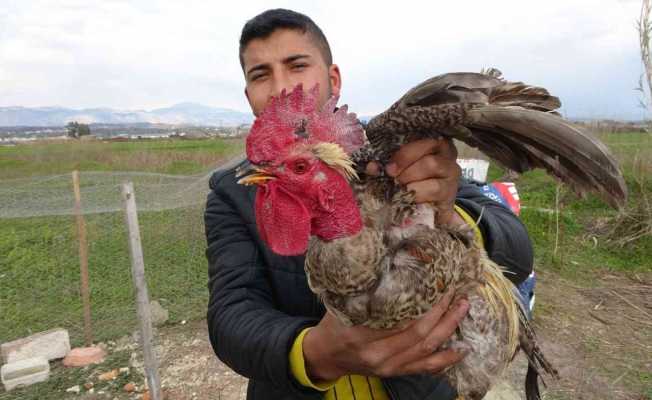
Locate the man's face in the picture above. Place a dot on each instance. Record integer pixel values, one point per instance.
(283, 60)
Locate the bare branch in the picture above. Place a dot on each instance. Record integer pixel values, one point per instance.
(644, 27)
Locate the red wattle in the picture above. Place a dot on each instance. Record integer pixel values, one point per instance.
(283, 220)
(337, 214)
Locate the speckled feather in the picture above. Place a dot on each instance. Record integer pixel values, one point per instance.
(400, 263)
(391, 271)
(514, 123)
(386, 275)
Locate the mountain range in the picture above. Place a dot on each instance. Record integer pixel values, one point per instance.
(178, 114)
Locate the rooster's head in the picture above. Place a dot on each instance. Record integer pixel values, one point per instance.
(299, 157)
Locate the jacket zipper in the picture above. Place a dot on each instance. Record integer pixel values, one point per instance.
(390, 391)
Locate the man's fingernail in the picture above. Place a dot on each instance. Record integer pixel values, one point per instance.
(391, 169)
(463, 306)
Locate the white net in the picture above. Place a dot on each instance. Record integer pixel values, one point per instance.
(39, 251)
(100, 192)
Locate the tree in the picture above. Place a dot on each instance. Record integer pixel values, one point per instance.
(77, 130)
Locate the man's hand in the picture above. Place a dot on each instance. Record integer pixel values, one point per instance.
(429, 168)
(332, 350)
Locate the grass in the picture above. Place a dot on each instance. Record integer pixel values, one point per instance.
(40, 272)
(39, 267)
(580, 251)
(163, 156)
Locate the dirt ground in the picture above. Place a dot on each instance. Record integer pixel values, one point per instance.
(600, 340)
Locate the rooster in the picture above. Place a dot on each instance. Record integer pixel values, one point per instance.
(376, 258)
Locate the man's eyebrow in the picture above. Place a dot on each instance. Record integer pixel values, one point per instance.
(295, 57)
(258, 68)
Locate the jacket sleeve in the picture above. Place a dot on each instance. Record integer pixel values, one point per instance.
(246, 331)
(506, 240)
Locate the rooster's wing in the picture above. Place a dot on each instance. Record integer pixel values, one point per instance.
(513, 123)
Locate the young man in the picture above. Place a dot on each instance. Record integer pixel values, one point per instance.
(263, 320)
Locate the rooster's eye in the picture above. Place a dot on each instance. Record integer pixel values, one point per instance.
(300, 167)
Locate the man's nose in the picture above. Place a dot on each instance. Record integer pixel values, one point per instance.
(281, 82)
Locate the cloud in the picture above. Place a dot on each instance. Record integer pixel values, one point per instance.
(139, 54)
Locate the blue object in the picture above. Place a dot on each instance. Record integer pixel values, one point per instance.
(525, 288)
(526, 293)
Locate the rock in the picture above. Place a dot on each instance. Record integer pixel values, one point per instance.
(50, 345)
(125, 343)
(135, 361)
(88, 385)
(25, 372)
(83, 356)
(124, 370)
(74, 389)
(136, 336)
(159, 314)
(147, 396)
(129, 387)
(109, 376)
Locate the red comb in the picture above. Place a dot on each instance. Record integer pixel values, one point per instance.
(274, 130)
(339, 127)
(291, 118)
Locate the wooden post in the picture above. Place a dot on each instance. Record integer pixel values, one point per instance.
(83, 260)
(142, 298)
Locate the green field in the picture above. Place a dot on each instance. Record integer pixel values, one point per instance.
(39, 266)
(582, 247)
(183, 157)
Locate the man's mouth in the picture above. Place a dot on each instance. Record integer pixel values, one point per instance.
(253, 175)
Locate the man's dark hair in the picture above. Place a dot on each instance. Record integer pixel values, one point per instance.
(263, 25)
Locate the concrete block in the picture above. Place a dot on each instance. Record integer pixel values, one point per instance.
(50, 345)
(25, 372)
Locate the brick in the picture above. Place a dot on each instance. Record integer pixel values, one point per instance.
(50, 345)
(25, 372)
(82, 356)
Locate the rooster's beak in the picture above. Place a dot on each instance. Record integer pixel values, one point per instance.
(252, 175)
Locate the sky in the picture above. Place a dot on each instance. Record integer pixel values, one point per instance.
(149, 54)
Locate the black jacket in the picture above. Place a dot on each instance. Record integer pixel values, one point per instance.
(260, 301)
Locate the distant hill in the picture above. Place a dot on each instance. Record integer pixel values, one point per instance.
(178, 114)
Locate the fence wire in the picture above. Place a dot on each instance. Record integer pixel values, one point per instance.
(39, 259)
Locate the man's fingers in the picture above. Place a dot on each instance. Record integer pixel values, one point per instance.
(433, 364)
(446, 326)
(429, 166)
(381, 350)
(373, 168)
(437, 191)
(433, 340)
(447, 148)
(411, 152)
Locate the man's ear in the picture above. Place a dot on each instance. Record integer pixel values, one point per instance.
(335, 79)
